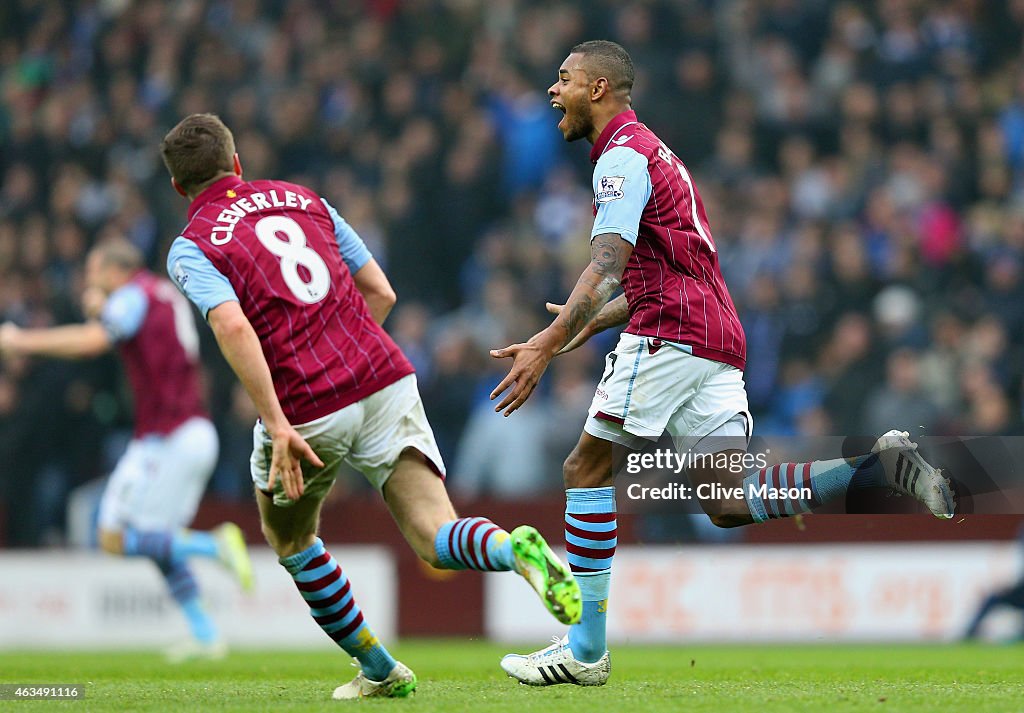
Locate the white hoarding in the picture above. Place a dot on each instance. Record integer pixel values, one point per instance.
(905, 592)
(90, 600)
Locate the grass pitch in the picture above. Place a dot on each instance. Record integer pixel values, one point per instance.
(464, 676)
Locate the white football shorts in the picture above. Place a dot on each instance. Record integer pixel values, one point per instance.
(369, 435)
(650, 387)
(159, 481)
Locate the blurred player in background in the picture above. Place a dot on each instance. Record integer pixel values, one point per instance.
(677, 366)
(154, 491)
(1010, 596)
(296, 302)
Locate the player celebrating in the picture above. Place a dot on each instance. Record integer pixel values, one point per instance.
(677, 366)
(296, 301)
(155, 489)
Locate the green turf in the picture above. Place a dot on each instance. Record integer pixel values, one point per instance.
(462, 676)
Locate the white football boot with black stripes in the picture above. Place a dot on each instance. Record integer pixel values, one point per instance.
(556, 664)
(910, 474)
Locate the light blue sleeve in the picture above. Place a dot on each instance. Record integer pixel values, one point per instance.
(622, 187)
(124, 312)
(352, 248)
(196, 276)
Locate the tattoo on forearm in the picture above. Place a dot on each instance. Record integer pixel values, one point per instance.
(615, 312)
(609, 254)
(581, 313)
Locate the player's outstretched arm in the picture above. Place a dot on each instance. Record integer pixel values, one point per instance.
(373, 284)
(613, 314)
(72, 341)
(241, 347)
(609, 254)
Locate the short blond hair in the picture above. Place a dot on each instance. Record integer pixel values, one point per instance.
(118, 252)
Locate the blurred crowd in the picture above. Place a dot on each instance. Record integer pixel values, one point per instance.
(862, 164)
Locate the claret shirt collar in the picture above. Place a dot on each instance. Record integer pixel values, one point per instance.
(214, 191)
(620, 120)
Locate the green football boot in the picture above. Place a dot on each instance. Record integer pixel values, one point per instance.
(547, 574)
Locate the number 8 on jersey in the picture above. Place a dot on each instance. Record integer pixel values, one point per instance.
(293, 253)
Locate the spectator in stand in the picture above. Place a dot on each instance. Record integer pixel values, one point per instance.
(844, 150)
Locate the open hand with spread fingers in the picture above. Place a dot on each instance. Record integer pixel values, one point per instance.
(529, 361)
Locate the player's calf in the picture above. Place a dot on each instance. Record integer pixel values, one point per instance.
(473, 543)
(421, 507)
(322, 583)
(591, 536)
(727, 520)
(287, 544)
(726, 508)
(288, 530)
(162, 545)
(588, 467)
(789, 489)
(170, 552)
(419, 502)
(477, 543)
(328, 593)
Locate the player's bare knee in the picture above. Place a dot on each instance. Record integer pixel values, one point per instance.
(110, 541)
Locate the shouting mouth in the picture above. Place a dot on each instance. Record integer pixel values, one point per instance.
(561, 108)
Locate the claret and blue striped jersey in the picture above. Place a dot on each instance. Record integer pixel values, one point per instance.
(288, 258)
(673, 282)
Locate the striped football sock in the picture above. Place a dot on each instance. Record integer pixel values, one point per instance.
(473, 543)
(591, 533)
(185, 592)
(166, 545)
(328, 593)
(819, 482)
